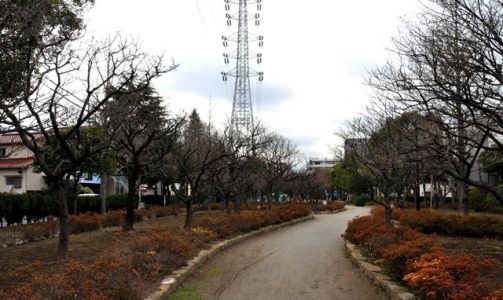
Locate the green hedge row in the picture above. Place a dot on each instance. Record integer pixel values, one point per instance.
(36, 207)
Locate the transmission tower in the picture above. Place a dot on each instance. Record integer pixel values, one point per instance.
(242, 108)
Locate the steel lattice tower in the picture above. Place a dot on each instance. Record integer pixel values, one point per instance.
(242, 108)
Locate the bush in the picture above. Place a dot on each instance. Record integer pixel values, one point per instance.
(159, 252)
(40, 206)
(115, 202)
(88, 204)
(227, 225)
(483, 201)
(451, 224)
(155, 200)
(440, 276)
(85, 222)
(85, 190)
(361, 199)
(108, 277)
(410, 245)
(113, 218)
(17, 205)
(34, 232)
(418, 259)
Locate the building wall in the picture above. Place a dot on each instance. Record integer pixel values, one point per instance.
(31, 181)
(16, 151)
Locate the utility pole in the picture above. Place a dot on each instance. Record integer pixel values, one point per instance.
(242, 119)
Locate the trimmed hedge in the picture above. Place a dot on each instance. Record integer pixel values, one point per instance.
(361, 199)
(35, 207)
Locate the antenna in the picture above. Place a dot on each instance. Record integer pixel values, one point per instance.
(242, 109)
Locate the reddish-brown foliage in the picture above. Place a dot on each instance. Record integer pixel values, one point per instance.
(109, 277)
(418, 259)
(440, 276)
(450, 224)
(137, 258)
(227, 225)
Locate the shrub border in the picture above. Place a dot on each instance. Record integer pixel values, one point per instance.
(375, 273)
(178, 277)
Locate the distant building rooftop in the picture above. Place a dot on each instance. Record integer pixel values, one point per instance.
(320, 163)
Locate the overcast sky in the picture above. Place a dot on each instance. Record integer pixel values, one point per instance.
(315, 58)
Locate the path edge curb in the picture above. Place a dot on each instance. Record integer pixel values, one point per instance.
(180, 275)
(375, 274)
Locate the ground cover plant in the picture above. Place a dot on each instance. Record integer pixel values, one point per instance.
(452, 224)
(85, 222)
(111, 264)
(426, 262)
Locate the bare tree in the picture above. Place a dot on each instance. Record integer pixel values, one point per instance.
(447, 65)
(192, 159)
(377, 157)
(57, 86)
(278, 158)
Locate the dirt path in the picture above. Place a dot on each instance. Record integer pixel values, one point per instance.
(304, 261)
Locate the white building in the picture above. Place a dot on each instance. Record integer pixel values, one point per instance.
(317, 163)
(17, 174)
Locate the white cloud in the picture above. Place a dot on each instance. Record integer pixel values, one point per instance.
(314, 54)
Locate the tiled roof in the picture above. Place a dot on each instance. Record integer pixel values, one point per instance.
(15, 163)
(14, 138)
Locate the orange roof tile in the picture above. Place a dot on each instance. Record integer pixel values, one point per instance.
(16, 163)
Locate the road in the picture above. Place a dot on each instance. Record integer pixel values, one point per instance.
(303, 261)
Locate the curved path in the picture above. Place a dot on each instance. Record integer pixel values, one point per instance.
(303, 261)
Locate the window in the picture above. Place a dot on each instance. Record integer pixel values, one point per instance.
(2, 152)
(15, 181)
(88, 176)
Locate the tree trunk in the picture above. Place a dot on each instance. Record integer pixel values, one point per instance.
(131, 202)
(460, 191)
(75, 198)
(174, 208)
(417, 200)
(237, 206)
(188, 215)
(388, 214)
(103, 193)
(64, 226)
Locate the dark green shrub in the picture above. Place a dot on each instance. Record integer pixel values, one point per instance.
(18, 208)
(39, 207)
(88, 203)
(154, 200)
(115, 202)
(361, 199)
